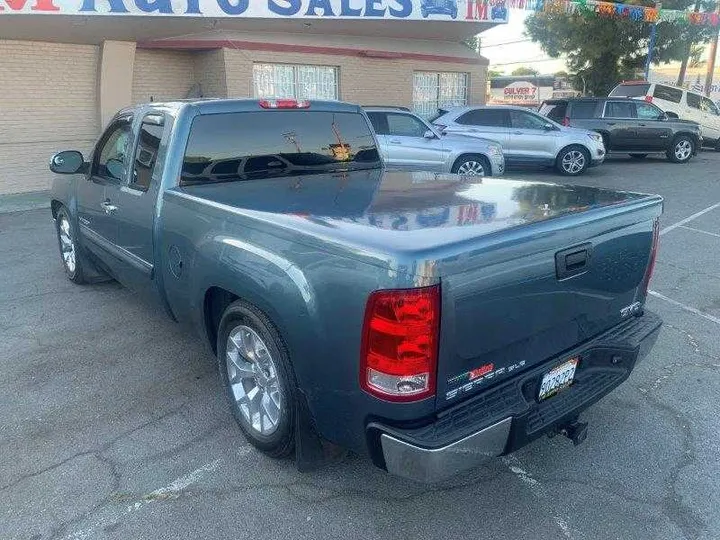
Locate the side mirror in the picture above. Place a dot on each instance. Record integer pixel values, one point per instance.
(67, 162)
(430, 134)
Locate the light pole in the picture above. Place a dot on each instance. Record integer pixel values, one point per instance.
(651, 45)
(711, 60)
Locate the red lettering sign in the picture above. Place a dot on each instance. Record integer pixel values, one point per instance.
(477, 10)
(40, 5)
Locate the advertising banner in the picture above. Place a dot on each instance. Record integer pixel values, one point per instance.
(435, 10)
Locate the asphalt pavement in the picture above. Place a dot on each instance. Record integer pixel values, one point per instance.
(113, 425)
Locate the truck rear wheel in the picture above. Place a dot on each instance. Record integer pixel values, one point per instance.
(259, 381)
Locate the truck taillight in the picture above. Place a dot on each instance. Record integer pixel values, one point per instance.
(284, 104)
(398, 356)
(653, 256)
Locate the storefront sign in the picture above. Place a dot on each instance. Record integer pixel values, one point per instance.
(520, 91)
(449, 10)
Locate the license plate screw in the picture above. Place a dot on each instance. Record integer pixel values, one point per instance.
(616, 359)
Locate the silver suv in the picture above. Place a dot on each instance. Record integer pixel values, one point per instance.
(527, 138)
(409, 142)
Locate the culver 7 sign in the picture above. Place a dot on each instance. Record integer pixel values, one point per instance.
(459, 10)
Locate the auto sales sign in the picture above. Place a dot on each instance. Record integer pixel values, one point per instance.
(450, 10)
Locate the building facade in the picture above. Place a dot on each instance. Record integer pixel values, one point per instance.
(66, 66)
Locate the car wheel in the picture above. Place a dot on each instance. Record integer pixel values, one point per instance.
(454, 14)
(681, 150)
(258, 378)
(424, 13)
(573, 160)
(638, 156)
(69, 249)
(472, 165)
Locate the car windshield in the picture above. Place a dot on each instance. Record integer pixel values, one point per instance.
(630, 90)
(267, 144)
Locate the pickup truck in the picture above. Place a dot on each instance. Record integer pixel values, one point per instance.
(427, 321)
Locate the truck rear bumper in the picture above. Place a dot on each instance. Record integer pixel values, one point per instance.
(505, 418)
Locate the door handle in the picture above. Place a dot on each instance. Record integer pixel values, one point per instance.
(611, 123)
(517, 132)
(107, 207)
(573, 262)
(395, 141)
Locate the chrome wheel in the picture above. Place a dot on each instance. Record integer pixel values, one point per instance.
(252, 374)
(683, 150)
(471, 168)
(67, 246)
(573, 162)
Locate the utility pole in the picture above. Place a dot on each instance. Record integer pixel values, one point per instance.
(711, 60)
(651, 45)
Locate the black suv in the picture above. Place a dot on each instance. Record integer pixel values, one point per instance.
(628, 126)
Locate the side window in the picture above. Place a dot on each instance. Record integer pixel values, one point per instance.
(404, 125)
(379, 122)
(648, 112)
(668, 94)
(484, 117)
(583, 109)
(619, 109)
(525, 120)
(708, 106)
(111, 159)
(693, 100)
(554, 111)
(146, 154)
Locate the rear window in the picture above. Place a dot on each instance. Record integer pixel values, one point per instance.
(484, 117)
(630, 90)
(583, 109)
(554, 110)
(667, 93)
(267, 144)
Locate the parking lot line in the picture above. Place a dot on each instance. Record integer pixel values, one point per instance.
(700, 231)
(689, 218)
(691, 309)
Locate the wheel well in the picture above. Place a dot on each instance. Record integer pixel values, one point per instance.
(570, 146)
(216, 302)
(688, 134)
(54, 207)
(467, 155)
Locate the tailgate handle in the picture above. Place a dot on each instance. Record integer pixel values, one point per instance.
(573, 261)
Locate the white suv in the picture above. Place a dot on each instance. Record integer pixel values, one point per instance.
(685, 104)
(527, 138)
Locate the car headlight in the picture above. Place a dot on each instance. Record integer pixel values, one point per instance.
(495, 150)
(595, 137)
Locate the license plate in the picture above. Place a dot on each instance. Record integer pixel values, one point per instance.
(558, 378)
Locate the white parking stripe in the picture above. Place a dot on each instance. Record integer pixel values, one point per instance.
(700, 231)
(690, 218)
(691, 309)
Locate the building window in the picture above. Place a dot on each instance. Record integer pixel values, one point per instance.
(433, 91)
(293, 81)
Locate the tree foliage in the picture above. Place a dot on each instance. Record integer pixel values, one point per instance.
(601, 51)
(522, 70)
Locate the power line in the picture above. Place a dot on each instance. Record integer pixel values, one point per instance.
(531, 61)
(482, 46)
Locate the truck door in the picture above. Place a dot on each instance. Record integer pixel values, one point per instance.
(98, 227)
(653, 132)
(134, 201)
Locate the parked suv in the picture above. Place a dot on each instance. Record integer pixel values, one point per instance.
(685, 104)
(526, 137)
(408, 142)
(629, 126)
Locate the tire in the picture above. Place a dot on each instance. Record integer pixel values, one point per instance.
(468, 163)
(424, 13)
(572, 160)
(717, 146)
(257, 348)
(638, 156)
(681, 150)
(70, 253)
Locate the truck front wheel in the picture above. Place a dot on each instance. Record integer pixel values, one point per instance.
(69, 249)
(259, 382)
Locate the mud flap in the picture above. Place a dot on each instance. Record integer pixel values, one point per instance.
(311, 451)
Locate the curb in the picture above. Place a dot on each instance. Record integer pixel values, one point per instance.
(20, 202)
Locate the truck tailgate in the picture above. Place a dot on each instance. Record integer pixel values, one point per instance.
(534, 292)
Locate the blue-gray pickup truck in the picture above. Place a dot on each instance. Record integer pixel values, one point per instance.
(427, 321)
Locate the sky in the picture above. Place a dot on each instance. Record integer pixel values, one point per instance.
(506, 56)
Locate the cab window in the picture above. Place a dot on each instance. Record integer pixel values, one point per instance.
(619, 109)
(404, 125)
(525, 120)
(146, 154)
(111, 155)
(646, 111)
(693, 100)
(708, 106)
